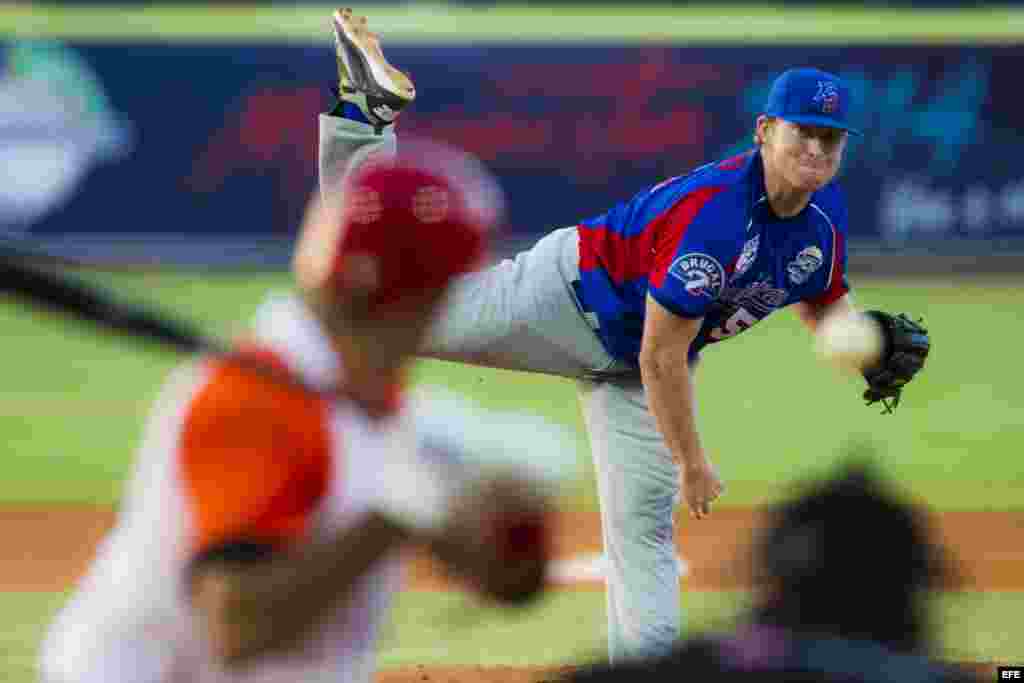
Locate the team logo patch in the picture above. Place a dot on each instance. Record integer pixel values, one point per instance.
(748, 255)
(804, 265)
(827, 97)
(701, 275)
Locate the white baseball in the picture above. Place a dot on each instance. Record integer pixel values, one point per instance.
(850, 341)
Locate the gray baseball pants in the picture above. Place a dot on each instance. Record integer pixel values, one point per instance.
(522, 314)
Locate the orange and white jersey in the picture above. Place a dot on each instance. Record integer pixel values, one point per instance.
(230, 456)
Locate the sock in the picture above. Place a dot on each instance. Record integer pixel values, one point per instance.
(347, 110)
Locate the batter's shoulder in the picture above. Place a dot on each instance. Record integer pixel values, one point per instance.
(247, 403)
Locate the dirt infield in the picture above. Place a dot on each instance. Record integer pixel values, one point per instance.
(502, 674)
(467, 674)
(48, 547)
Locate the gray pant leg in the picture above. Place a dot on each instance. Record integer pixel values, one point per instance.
(637, 483)
(521, 314)
(345, 144)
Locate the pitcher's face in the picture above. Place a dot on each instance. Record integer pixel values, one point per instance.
(805, 157)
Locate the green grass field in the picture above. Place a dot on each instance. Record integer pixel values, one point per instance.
(73, 402)
(429, 22)
(564, 628)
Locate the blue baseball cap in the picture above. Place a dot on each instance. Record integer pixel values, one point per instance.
(812, 97)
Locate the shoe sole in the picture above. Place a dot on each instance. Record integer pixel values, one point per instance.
(366, 74)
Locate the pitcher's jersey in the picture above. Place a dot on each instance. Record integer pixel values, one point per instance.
(230, 457)
(708, 244)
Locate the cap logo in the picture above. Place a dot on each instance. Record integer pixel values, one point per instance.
(430, 204)
(827, 97)
(365, 206)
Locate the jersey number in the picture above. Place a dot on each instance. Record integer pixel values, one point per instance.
(737, 322)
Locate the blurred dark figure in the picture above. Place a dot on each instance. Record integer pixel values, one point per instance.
(841, 579)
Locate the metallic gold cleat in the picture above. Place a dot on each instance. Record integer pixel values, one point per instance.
(365, 77)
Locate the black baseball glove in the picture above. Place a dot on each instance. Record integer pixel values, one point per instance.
(906, 347)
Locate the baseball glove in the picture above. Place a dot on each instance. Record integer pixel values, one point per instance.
(906, 347)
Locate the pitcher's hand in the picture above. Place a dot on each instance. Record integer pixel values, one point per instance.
(700, 484)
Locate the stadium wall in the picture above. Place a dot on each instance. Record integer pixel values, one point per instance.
(179, 153)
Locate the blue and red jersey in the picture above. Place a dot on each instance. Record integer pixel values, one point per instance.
(708, 245)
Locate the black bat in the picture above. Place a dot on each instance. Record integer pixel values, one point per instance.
(48, 289)
(52, 290)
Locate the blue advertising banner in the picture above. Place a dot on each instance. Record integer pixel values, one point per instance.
(220, 141)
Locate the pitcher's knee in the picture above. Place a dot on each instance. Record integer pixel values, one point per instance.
(657, 638)
(660, 532)
(644, 640)
(644, 530)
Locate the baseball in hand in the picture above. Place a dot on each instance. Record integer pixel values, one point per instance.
(851, 341)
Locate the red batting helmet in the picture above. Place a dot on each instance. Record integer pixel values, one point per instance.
(401, 226)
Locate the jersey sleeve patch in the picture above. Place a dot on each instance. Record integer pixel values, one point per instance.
(701, 274)
(254, 460)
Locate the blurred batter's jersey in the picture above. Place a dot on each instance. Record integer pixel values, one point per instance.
(231, 458)
(708, 244)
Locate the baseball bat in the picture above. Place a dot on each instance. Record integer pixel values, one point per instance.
(49, 289)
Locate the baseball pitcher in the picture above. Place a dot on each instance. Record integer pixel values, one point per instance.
(625, 302)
